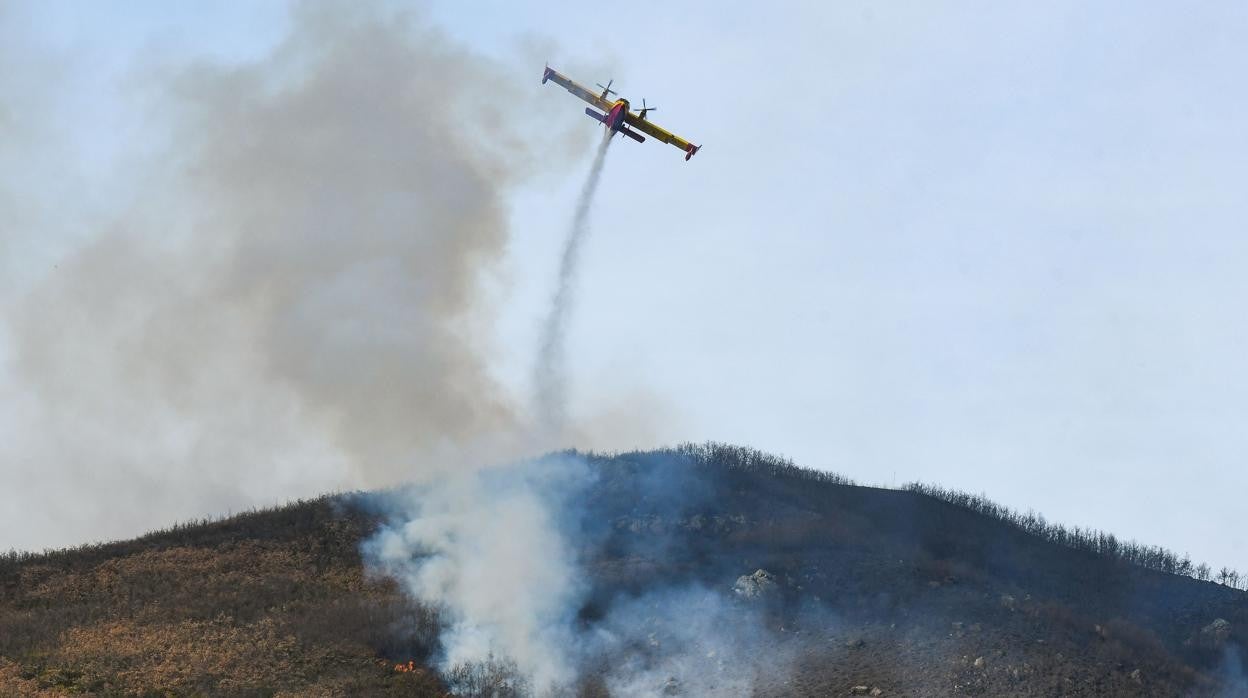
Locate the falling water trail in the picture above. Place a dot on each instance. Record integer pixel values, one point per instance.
(549, 377)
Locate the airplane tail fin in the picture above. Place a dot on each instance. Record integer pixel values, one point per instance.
(589, 111)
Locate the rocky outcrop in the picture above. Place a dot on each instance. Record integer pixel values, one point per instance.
(1215, 635)
(758, 585)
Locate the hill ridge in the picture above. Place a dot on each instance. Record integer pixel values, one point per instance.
(904, 589)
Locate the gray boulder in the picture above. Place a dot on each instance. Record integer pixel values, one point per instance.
(757, 585)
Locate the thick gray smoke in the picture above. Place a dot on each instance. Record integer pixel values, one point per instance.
(290, 303)
(550, 376)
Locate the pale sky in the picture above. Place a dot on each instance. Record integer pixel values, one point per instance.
(991, 246)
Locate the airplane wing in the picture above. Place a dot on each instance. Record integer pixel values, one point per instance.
(567, 84)
(659, 133)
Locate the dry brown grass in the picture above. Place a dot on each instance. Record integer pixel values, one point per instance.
(13, 684)
(264, 610)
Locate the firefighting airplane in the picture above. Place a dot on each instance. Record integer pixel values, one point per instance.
(616, 116)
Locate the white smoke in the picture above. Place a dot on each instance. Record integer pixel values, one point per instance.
(504, 554)
(692, 641)
(489, 550)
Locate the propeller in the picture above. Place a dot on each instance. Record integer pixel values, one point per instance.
(645, 109)
(606, 89)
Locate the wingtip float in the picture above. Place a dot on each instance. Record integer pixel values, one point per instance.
(615, 114)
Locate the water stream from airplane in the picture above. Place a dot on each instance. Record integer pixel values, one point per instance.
(550, 376)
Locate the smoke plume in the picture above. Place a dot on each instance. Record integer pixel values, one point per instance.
(550, 377)
(1231, 674)
(290, 303)
(489, 550)
(506, 557)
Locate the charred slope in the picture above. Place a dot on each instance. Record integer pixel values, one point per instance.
(919, 589)
(862, 587)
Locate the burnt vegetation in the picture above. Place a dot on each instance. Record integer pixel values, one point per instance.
(1106, 545)
(917, 591)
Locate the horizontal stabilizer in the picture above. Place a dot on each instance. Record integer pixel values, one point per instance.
(600, 117)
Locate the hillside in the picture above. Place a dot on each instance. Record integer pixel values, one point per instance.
(860, 588)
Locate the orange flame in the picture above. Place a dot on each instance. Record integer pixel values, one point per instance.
(405, 668)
